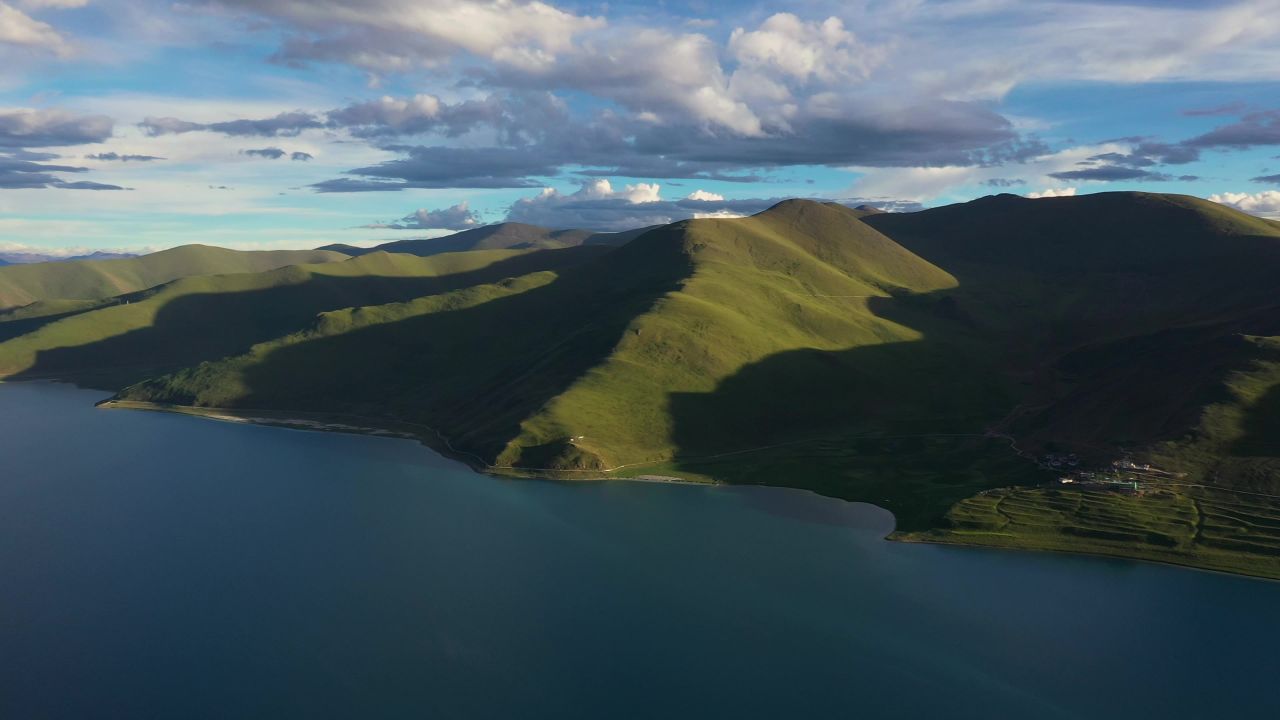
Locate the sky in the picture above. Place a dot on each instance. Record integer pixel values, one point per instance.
(136, 125)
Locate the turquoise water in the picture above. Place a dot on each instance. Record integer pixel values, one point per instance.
(170, 567)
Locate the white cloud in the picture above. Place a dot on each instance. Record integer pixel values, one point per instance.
(18, 28)
(985, 48)
(718, 215)
(674, 78)
(786, 45)
(456, 217)
(1052, 193)
(27, 127)
(1265, 203)
(925, 184)
(602, 189)
(52, 4)
(595, 205)
(396, 35)
(704, 196)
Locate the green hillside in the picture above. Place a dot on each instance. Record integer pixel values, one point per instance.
(500, 236)
(926, 362)
(99, 279)
(209, 316)
(703, 337)
(1123, 313)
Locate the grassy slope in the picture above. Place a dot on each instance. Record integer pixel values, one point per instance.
(1143, 340)
(800, 325)
(1199, 527)
(99, 279)
(211, 316)
(1121, 312)
(800, 277)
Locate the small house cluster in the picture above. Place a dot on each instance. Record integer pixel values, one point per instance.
(1122, 476)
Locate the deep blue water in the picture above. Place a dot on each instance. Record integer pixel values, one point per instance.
(160, 566)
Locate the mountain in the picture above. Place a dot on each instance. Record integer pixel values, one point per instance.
(1104, 302)
(206, 317)
(25, 258)
(943, 364)
(500, 236)
(701, 337)
(100, 279)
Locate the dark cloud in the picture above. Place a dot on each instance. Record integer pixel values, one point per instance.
(1267, 179)
(1004, 182)
(936, 134)
(444, 167)
(392, 117)
(48, 128)
(1114, 158)
(87, 185)
(542, 139)
(1110, 173)
(1144, 155)
(154, 126)
(275, 153)
(532, 134)
(1145, 152)
(351, 185)
(21, 154)
(1234, 108)
(122, 158)
(457, 217)
(287, 124)
(271, 153)
(19, 173)
(1164, 153)
(1256, 128)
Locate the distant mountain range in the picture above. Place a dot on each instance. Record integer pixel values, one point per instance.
(952, 365)
(500, 236)
(100, 279)
(25, 258)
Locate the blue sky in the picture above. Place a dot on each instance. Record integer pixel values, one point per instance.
(281, 123)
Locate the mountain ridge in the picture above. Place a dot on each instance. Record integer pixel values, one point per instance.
(920, 361)
(498, 236)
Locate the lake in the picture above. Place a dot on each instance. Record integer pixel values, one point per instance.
(168, 566)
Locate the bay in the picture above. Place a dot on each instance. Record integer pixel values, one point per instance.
(161, 565)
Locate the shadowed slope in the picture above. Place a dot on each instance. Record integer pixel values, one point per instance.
(98, 279)
(207, 317)
(596, 352)
(474, 362)
(796, 276)
(1122, 311)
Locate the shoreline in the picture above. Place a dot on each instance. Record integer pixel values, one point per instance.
(910, 538)
(434, 440)
(384, 427)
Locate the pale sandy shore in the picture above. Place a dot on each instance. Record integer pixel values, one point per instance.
(327, 422)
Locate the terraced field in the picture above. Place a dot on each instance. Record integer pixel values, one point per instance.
(1214, 529)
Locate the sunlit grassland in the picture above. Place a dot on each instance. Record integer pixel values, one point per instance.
(1206, 528)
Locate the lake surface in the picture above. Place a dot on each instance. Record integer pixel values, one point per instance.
(167, 566)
